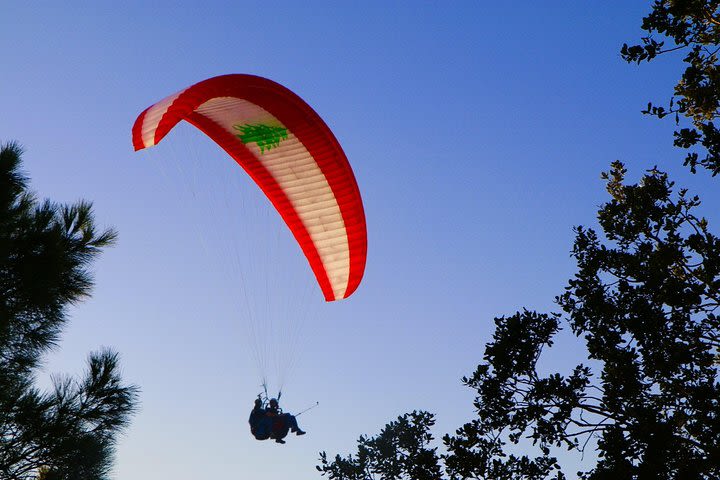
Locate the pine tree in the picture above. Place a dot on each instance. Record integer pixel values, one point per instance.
(46, 250)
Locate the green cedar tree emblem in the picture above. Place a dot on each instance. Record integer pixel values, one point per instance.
(265, 136)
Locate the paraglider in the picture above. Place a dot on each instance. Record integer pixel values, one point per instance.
(290, 153)
(294, 158)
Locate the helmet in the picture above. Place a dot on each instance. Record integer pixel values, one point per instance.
(273, 402)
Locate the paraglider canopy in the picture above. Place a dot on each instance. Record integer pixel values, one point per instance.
(290, 153)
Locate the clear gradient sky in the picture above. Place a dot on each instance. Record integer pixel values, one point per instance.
(477, 132)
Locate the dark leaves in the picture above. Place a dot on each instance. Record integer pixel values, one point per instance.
(400, 451)
(692, 26)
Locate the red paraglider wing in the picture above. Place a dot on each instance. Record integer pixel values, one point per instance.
(292, 156)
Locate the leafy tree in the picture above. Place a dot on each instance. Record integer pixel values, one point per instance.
(643, 303)
(45, 252)
(401, 451)
(692, 27)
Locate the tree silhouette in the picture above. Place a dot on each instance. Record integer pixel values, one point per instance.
(693, 28)
(642, 302)
(642, 305)
(401, 451)
(46, 250)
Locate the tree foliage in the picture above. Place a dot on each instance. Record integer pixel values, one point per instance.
(400, 451)
(46, 250)
(643, 303)
(693, 28)
(643, 307)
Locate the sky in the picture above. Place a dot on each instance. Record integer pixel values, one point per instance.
(477, 132)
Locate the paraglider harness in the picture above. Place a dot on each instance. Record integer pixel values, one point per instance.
(265, 398)
(265, 401)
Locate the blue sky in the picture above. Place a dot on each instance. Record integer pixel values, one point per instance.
(477, 132)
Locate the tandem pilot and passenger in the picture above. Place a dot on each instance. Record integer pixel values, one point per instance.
(271, 422)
